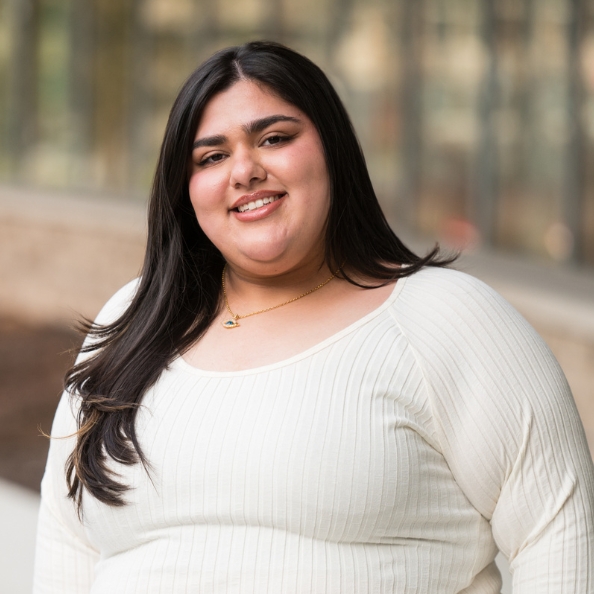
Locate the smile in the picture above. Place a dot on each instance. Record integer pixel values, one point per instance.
(259, 203)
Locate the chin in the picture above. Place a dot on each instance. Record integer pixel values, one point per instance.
(260, 260)
(261, 252)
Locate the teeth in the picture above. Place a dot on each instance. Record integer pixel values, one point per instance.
(258, 203)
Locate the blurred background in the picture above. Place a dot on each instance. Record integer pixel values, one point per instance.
(476, 118)
(480, 111)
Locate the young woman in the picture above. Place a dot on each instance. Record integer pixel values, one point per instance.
(290, 401)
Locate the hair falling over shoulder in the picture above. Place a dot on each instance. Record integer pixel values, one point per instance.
(179, 292)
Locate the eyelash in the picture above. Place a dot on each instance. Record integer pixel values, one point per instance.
(208, 160)
(281, 140)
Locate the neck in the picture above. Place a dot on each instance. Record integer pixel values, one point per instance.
(246, 290)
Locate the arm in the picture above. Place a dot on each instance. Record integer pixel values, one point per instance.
(65, 558)
(508, 428)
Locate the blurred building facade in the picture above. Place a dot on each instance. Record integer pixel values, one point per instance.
(477, 118)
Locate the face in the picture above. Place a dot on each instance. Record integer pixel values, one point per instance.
(259, 183)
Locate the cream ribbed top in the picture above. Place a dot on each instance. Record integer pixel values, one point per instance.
(396, 456)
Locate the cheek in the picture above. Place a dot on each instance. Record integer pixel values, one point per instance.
(206, 193)
(306, 166)
(316, 174)
(318, 171)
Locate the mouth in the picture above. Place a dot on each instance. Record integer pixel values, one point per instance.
(259, 203)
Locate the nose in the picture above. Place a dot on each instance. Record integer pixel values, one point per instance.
(246, 168)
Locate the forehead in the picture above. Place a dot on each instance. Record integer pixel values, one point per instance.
(243, 102)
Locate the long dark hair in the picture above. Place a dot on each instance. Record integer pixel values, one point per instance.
(179, 291)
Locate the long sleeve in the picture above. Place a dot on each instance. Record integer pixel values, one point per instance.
(65, 558)
(508, 428)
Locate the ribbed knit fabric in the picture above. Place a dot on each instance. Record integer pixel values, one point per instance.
(396, 456)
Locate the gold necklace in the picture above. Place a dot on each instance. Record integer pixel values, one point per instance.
(233, 323)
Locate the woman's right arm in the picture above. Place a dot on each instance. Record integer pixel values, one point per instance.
(65, 559)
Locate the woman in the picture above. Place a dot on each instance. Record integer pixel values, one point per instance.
(289, 400)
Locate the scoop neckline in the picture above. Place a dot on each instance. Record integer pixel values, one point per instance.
(180, 363)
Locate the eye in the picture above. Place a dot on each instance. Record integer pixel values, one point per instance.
(211, 159)
(276, 139)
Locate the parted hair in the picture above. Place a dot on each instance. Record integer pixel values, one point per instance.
(179, 291)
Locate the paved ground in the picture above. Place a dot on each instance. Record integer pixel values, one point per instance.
(18, 519)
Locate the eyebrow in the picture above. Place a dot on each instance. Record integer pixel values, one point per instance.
(249, 128)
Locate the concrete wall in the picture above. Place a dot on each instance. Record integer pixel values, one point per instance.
(61, 256)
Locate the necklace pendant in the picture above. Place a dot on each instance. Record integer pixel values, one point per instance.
(230, 323)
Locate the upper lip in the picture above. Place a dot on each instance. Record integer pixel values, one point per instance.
(246, 198)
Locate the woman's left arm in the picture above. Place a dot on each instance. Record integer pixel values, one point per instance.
(509, 430)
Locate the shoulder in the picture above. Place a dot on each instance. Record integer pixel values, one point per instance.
(448, 288)
(456, 303)
(113, 309)
(488, 373)
(117, 303)
(66, 413)
(460, 326)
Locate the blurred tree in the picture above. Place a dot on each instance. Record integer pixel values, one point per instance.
(82, 40)
(411, 105)
(340, 13)
(491, 122)
(484, 211)
(205, 30)
(574, 199)
(525, 91)
(111, 69)
(140, 95)
(23, 77)
(274, 21)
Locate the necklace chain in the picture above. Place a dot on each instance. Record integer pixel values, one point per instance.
(233, 323)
